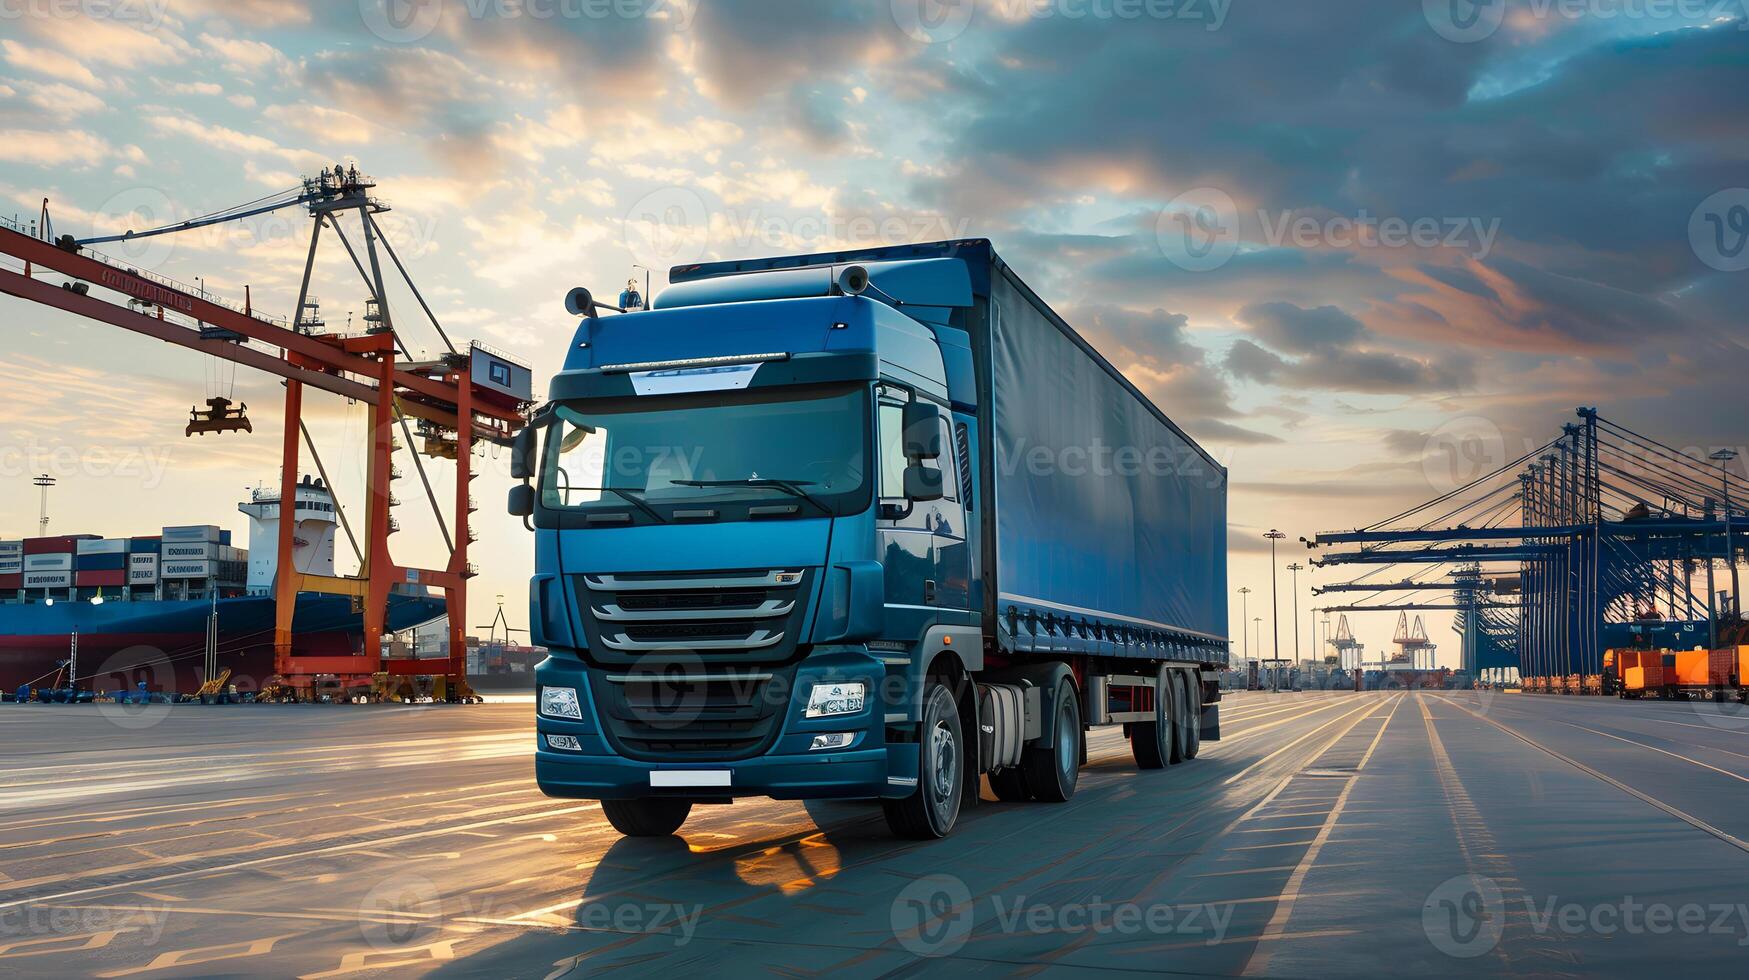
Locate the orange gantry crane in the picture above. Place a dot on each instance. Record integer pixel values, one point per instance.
(459, 398)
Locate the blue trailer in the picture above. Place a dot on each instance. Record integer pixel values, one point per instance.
(864, 524)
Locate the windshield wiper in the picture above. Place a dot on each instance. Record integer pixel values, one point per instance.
(791, 487)
(636, 501)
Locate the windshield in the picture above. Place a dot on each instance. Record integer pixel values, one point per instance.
(715, 455)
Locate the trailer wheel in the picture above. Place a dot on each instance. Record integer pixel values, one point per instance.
(654, 817)
(1052, 772)
(931, 809)
(1176, 738)
(1151, 741)
(1192, 715)
(1009, 785)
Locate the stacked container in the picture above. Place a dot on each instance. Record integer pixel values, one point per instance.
(48, 563)
(101, 563)
(11, 566)
(190, 552)
(143, 563)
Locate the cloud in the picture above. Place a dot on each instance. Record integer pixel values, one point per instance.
(74, 148)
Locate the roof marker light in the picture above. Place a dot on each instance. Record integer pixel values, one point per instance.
(691, 362)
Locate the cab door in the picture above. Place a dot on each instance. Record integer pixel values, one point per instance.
(947, 525)
(906, 532)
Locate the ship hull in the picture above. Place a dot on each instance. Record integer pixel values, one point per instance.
(120, 645)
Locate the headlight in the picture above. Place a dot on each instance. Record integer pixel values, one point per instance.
(560, 702)
(835, 699)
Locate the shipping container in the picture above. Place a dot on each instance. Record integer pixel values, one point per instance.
(193, 532)
(143, 574)
(105, 578)
(102, 561)
(102, 546)
(11, 581)
(190, 551)
(48, 580)
(61, 561)
(205, 568)
(1704, 668)
(13, 547)
(45, 546)
(143, 546)
(12, 565)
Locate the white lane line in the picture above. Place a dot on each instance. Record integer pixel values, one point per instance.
(1687, 818)
(1272, 756)
(295, 856)
(1654, 748)
(1276, 928)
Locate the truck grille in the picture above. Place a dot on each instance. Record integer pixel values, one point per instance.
(740, 617)
(667, 716)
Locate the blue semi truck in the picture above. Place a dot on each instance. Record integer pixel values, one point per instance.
(863, 524)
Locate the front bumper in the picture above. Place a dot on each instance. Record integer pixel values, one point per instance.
(785, 769)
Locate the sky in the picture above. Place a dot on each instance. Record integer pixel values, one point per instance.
(1362, 251)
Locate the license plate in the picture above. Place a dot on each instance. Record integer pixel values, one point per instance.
(689, 777)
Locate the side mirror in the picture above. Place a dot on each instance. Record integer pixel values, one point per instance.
(922, 483)
(522, 455)
(521, 502)
(922, 432)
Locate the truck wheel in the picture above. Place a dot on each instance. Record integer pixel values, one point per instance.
(646, 818)
(1192, 715)
(1151, 741)
(931, 809)
(1052, 772)
(1009, 785)
(1176, 738)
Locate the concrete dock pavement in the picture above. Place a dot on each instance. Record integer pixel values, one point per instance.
(1327, 834)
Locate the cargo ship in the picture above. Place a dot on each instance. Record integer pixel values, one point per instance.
(119, 612)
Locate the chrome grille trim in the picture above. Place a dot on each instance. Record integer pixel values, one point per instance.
(757, 640)
(613, 583)
(613, 612)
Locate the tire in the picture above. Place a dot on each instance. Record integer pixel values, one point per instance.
(933, 807)
(1151, 741)
(1192, 715)
(1052, 772)
(651, 817)
(1177, 738)
(1009, 785)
